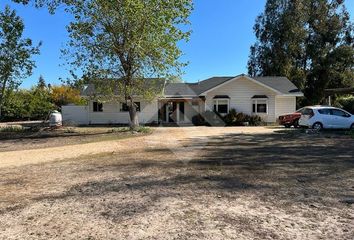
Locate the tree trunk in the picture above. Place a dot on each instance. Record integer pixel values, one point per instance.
(134, 121)
(2, 97)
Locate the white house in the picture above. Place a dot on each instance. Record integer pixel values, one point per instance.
(268, 97)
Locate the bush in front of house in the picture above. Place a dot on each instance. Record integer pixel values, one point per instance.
(198, 120)
(234, 118)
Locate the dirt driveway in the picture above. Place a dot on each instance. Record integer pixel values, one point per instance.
(204, 183)
(166, 137)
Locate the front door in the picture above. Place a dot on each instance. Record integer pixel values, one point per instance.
(181, 112)
(174, 112)
(171, 112)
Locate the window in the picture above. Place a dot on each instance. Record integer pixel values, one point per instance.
(97, 107)
(308, 111)
(339, 113)
(259, 106)
(324, 111)
(125, 107)
(221, 105)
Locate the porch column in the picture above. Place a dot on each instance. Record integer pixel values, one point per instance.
(167, 113)
(178, 113)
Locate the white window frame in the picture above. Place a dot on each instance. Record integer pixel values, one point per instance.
(216, 102)
(255, 101)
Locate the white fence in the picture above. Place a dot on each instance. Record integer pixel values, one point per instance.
(75, 115)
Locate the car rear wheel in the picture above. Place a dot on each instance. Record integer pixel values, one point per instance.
(296, 124)
(352, 127)
(317, 126)
(287, 125)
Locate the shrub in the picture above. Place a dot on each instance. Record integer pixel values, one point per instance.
(347, 103)
(255, 120)
(198, 120)
(24, 104)
(233, 118)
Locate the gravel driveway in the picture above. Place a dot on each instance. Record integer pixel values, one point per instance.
(185, 183)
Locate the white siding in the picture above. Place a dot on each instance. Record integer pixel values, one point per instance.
(75, 114)
(285, 105)
(112, 115)
(241, 91)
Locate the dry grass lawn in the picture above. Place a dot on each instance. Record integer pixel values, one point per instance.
(189, 183)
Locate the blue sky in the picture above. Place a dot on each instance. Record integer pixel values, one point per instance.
(219, 45)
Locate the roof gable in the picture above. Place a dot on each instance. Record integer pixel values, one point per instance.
(280, 85)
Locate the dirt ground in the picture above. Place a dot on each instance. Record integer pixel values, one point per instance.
(59, 137)
(188, 183)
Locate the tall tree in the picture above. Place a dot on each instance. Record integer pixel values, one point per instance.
(125, 40)
(128, 40)
(41, 82)
(15, 53)
(309, 41)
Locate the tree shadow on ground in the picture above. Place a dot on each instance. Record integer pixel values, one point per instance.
(272, 167)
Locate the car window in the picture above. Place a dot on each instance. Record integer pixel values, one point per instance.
(307, 111)
(339, 113)
(324, 111)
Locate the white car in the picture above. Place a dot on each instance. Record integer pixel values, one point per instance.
(319, 117)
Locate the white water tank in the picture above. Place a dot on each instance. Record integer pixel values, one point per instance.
(55, 119)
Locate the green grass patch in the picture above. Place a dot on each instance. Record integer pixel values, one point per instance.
(140, 129)
(13, 129)
(143, 129)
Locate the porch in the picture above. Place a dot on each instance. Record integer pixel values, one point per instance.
(180, 110)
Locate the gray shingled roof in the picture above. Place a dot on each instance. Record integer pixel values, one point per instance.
(153, 84)
(280, 84)
(180, 89)
(194, 89)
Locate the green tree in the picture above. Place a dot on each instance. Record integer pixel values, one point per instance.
(124, 40)
(41, 82)
(39, 104)
(28, 104)
(127, 41)
(174, 79)
(309, 41)
(15, 53)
